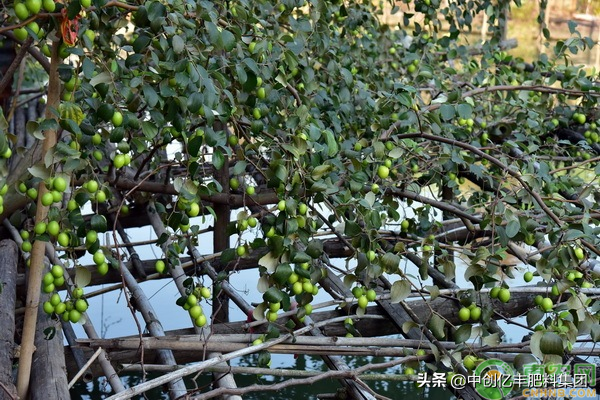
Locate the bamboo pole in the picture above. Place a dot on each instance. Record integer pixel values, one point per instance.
(281, 372)
(85, 367)
(179, 277)
(38, 250)
(201, 366)
(176, 386)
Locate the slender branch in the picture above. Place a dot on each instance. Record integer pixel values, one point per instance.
(491, 89)
(306, 381)
(7, 78)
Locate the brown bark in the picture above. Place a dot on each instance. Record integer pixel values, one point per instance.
(48, 369)
(8, 277)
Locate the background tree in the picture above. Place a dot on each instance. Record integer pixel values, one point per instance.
(328, 135)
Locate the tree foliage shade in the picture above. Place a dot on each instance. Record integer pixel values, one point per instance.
(408, 144)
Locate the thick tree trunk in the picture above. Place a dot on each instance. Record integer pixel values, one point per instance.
(48, 369)
(8, 280)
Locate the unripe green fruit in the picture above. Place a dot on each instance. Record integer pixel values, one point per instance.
(205, 292)
(91, 237)
(547, 304)
(160, 266)
(92, 186)
(26, 246)
(383, 172)
(53, 228)
(40, 228)
(528, 276)
(74, 316)
(49, 5)
(47, 279)
(81, 305)
(117, 118)
(464, 314)
(281, 205)
(59, 183)
(55, 299)
(200, 321)
(371, 295)
(60, 308)
(475, 313)
(102, 269)
(20, 34)
(47, 199)
(504, 295)
(34, 6)
(308, 308)
(63, 239)
(297, 288)
(72, 205)
(469, 362)
(57, 271)
(119, 161)
(77, 293)
(48, 307)
(494, 292)
(363, 302)
(32, 193)
(101, 196)
(240, 250)
(261, 93)
(49, 288)
(194, 210)
(21, 11)
(195, 311)
(192, 300)
(99, 257)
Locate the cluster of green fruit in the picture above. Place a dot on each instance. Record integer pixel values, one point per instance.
(69, 310)
(500, 293)
(363, 296)
(56, 187)
(192, 305)
(472, 312)
(3, 191)
(53, 279)
(544, 303)
(24, 10)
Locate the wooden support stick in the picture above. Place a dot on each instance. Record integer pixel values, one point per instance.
(38, 250)
(85, 367)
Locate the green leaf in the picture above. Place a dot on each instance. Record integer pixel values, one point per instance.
(436, 324)
(150, 95)
(98, 223)
(512, 228)
(462, 334)
(273, 295)
(218, 159)
(447, 112)
(534, 316)
(227, 40)
(83, 277)
(178, 44)
(400, 290)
